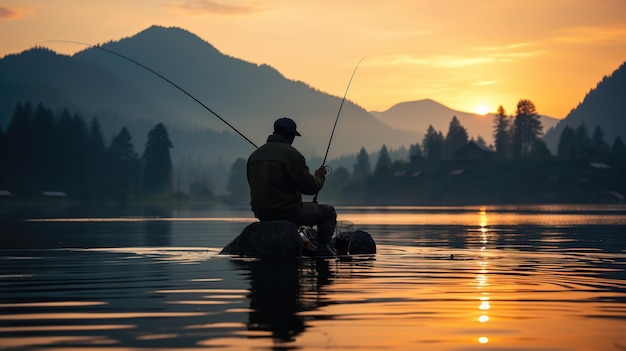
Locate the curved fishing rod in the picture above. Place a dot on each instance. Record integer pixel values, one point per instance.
(158, 75)
(337, 118)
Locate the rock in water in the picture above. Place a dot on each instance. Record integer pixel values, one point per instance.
(267, 239)
(358, 242)
(361, 242)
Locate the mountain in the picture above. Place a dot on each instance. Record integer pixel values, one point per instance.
(58, 81)
(603, 106)
(250, 97)
(416, 116)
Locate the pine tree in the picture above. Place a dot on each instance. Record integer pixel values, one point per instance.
(455, 139)
(79, 152)
(383, 165)
(617, 155)
(567, 144)
(583, 142)
(44, 143)
(527, 128)
(123, 165)
(238, 182)
(502, 133)
(157, 163)
(63, 149)
(362, 165)
(19, 149)
(340, 177)
(96, 149)
(599, 147)
(415, 153)
(433, 144)
(539, 151)
(3, 158)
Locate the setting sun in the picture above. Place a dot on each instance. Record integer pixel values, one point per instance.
(481, 109)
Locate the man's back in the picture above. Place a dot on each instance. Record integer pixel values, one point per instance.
(278, 175)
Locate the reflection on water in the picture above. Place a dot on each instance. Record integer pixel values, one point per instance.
(454, 278)
(482, 276)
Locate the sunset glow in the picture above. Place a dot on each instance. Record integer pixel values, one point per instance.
(415, 49)
(481, 109)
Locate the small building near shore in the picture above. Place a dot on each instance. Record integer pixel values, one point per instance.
(56, 194)
(474, 151)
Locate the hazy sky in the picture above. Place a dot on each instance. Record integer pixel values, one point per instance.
(461, 53)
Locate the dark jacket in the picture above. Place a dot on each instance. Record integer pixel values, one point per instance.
(278, 176)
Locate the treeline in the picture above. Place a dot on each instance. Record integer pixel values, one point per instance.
(519, 137)
(518, 169)
(45, 151)
(42, 150)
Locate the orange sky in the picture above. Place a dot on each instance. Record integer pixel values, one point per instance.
(461, 53)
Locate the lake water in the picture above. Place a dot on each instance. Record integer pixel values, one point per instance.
(444, 278)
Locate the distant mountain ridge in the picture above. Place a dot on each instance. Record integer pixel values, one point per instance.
(603, 106)
(418, 115)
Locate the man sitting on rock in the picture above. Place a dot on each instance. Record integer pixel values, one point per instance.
(278, 176)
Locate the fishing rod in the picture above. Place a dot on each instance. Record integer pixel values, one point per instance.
(337, 118)
(158, 75)
(339, 112)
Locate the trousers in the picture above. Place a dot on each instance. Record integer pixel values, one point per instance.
(321, 215)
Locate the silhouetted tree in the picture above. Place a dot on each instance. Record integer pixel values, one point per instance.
(362, 165)
(599, 147)
(123, 164)
(502, 134)
(433, 144)
(3, 159)
(157, 163)
(583, 142)
(338, 179)
(415, 153)
(71, 149)
(96, 149)
(527, 128)
(44, 143)
(79, 153)
(20, 153)
(97, 144)
(539, 151)
(617, 155)
(455, 139)
(383, 165)
(238, 181)
(566, 148)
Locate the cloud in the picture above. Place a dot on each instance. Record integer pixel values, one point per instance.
(203, 7)
(8, 14)
(432, 61)
(477, 56)
(511, 52)
(504, 48)
(593, 35)
(485, 83)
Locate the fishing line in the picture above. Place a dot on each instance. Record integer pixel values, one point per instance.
(160, 76)
(337, 119)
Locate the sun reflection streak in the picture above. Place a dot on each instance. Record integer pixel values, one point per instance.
(482, 275)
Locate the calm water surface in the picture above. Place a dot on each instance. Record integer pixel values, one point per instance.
(444, 278)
